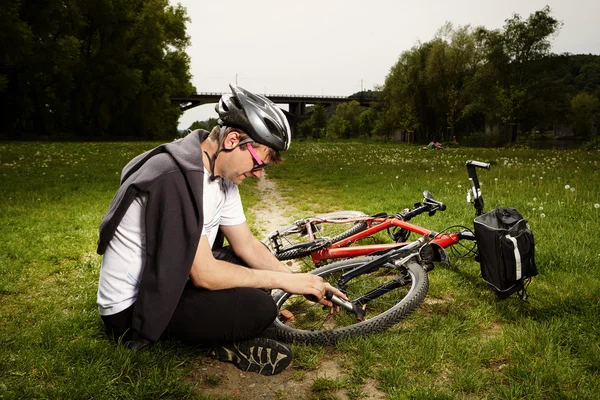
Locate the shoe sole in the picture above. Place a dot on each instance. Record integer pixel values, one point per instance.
(261, 355)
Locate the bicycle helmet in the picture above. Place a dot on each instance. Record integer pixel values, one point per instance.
(258, 116)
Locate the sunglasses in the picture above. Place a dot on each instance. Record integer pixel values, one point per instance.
(258, 163)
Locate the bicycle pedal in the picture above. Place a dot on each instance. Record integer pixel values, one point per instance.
(286, 315)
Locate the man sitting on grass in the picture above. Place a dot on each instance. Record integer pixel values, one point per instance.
(165, 273)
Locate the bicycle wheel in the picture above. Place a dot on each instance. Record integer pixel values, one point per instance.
(303, 321)
(293, 241)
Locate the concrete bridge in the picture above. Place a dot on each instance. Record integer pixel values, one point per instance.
(296, 103)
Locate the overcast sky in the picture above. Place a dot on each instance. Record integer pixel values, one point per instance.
(337, 47)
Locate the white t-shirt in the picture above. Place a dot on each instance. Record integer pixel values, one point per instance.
(125, 256)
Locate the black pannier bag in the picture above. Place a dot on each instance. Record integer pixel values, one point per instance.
(506, 251)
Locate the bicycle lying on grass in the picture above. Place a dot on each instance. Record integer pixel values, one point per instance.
(327, 236)
(385, 285)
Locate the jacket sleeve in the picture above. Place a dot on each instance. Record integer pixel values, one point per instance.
(173, 228)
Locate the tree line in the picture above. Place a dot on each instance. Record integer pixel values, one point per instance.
(466, 81)
(92, 68)
(108, 69)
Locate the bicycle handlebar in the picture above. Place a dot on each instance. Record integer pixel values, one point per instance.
(414, 212)
(477, 198)
(432, 203)
(478, 164)
(429, 205)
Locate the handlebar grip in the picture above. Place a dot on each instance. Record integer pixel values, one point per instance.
(413, 213)
(478, 164)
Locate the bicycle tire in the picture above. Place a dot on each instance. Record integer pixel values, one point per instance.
(382, 312)
(319, 244)
(296, 243)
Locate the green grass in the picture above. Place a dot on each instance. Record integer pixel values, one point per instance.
(462, 343)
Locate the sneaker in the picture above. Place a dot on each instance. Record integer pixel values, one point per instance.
(262, 355)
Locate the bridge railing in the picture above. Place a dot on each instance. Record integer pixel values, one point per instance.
(306, 96)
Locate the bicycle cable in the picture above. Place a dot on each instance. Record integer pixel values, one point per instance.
(469, 251)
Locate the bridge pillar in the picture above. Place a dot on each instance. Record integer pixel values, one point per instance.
(297, 112)
(297, 109)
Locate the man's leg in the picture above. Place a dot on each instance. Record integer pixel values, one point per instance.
(212, 316)
(118, 326)
(233, 322)
(237, 322)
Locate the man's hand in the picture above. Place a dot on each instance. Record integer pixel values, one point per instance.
(312, 286)
(328, 303)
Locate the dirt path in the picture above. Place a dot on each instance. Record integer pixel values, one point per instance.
(273, 212)
(222, 380)
(270, 212)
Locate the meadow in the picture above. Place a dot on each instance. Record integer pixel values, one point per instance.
(461, 343)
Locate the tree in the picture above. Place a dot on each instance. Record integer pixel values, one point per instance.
(515, 68)
(451, 65)
(207, 125)
(405, 100)
(40, 52)
(367, 122)
(315, 125)
(345, 121)
(318, 120)
(431, 86)
(305, 129)
(584, 112)
(92, 68)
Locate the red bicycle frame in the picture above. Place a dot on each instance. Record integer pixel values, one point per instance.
(377, 224)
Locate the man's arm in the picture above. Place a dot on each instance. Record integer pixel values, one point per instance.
(213, 274)
(247, 247)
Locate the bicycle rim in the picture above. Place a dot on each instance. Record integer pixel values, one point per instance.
(311, 323)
